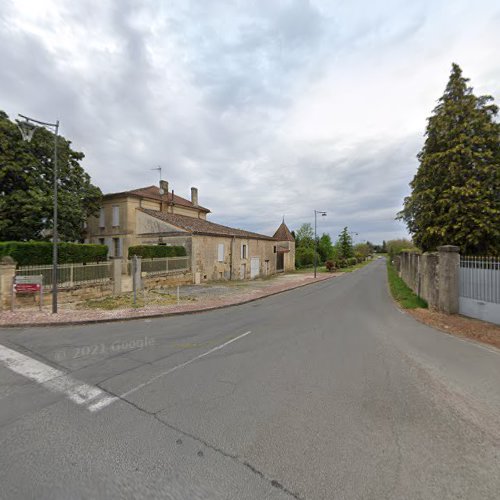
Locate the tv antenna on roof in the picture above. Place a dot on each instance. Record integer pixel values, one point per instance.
(159, 170)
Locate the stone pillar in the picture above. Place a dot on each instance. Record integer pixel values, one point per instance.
(449, 268)
(7, 273)
(429, 279)
(405, 266)
(116, 275)
(137, 273)
(397, 263)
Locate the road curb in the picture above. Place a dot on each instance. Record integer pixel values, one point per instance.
(156, 315)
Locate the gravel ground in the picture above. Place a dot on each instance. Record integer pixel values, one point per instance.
(205, 297)
(461, 326)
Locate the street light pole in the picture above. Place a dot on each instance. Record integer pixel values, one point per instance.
(27, 128)
(323, 214)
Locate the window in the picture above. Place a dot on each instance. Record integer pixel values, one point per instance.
(243, 251)
(116, 215)
(220, 252)
(102, 221)
(117, 247)
(101, 241)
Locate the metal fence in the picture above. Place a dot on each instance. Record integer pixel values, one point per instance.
(69, 275)
(164, 265)
(480, 278)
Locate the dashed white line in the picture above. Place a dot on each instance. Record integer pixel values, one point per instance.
(104, 403)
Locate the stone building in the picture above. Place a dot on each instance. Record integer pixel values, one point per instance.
(155, 216)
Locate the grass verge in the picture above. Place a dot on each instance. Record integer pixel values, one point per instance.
(401, 292)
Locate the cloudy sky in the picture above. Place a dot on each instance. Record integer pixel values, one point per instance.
(269, 107)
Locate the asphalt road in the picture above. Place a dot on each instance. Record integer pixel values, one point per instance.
(334, 393)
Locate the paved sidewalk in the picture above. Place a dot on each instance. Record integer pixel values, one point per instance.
(193, 298)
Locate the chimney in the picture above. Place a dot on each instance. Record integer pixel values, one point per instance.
(194, 196)
(163, 194)
(164, 186)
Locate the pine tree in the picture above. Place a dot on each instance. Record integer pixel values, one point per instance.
(344, 244)
(455, 195)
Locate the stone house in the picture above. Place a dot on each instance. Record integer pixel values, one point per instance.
(155, 216)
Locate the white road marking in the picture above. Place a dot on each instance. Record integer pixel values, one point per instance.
(105, 402)
(80, 392)
(53, 379)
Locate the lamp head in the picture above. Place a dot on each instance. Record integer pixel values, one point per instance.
(27, 130)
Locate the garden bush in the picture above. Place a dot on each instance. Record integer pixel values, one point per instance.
(304, 257)
(156, 251)
(330, 265)
(33, 253)
(352, 261)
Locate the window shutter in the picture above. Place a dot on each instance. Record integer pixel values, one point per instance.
(102, 221)
(116, 215)
(220, 251)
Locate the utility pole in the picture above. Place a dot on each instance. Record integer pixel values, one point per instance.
(323, 214)
(27, 128)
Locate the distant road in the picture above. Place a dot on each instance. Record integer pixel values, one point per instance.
(322, 392)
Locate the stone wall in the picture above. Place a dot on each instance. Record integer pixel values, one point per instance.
(233, 266)
(83, 292)
(172, 279)
(433, 276)
(65, 295)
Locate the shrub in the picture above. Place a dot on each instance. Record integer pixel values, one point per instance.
(352, 261)
(395, 247)
(32, 253)
(304, 257)
(342, 263)
(359, 257)
(330, 265)
(156, 251)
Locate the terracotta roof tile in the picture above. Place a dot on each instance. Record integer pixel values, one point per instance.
(283, 233)
(201, 226)
(153, 193)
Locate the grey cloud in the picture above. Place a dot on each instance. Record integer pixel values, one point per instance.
(205, 89)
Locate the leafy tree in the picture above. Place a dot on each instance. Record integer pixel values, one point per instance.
(304, 256)
(305, 236)
(325, 248)
(395, 247)
(363, 250)
(344, 244)
(455, 195)
(26, 177)
(384, 247)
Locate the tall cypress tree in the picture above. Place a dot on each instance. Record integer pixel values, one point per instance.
(455, 195)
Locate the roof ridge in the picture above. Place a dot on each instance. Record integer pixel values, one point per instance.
(203, 226)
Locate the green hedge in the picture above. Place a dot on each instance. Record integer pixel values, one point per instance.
(156, 251)
(32, 253)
